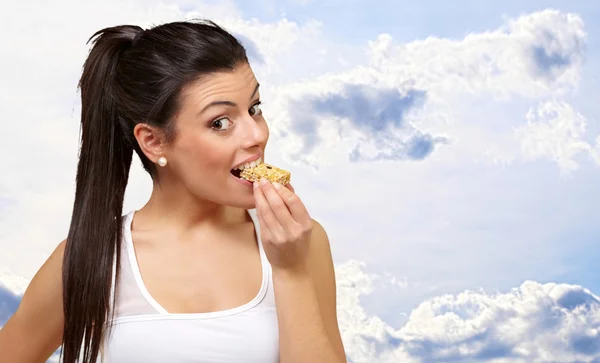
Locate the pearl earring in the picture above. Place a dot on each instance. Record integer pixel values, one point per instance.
(162, 161)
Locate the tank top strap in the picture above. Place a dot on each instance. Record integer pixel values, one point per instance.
(268, 302)
(131, 296)
(263, 257)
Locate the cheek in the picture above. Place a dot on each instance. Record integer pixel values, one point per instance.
(198, 156)
(209, 158)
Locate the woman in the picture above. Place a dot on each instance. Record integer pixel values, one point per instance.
(212, 268)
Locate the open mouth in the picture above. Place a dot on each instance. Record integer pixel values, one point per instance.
(238, 170)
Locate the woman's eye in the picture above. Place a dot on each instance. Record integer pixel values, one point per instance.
(221, 124)
(255, 110)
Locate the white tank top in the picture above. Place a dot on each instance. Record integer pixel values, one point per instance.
(144, 332)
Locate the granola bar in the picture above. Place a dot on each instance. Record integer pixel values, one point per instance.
(269, 172)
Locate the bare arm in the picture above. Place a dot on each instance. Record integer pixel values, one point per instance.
(306, 308)
(35, 330)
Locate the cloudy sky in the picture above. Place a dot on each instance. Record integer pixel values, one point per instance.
(450, 149)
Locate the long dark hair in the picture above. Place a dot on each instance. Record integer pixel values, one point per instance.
(130, 76)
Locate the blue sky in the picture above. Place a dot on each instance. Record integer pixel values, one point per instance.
(450, 149)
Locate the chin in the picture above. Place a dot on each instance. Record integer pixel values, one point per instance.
(245, 202)
(242, 196)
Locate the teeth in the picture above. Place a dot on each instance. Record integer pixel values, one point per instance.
(251, 164)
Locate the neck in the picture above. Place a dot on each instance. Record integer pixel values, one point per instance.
(175, 208)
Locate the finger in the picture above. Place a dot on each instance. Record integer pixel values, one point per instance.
(294, 204)
(290, 187)
(278, 207)
(265, 212)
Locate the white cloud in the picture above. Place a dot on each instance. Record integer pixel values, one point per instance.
(595, 152)
(528, 56)
(531, 323)
(357, 328)
(554, 130)
(468, 89)
(11, 288)
(15, 283)
(277, 42)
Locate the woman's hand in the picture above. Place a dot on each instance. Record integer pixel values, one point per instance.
(285, 225)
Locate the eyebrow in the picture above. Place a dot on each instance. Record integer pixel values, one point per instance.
(227, 103)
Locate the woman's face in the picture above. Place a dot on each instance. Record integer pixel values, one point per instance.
(219, 127)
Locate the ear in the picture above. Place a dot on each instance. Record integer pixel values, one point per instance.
(151, 140)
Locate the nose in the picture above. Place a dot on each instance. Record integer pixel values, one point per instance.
(255, 131)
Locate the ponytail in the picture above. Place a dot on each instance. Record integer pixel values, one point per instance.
(130, 76)
(93, 241)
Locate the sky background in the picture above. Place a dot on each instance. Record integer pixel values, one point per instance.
(450, 149)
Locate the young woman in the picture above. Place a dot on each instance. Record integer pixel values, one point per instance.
(212, 268)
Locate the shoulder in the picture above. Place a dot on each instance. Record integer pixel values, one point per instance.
(322, 272)
(45, 289)
(38, 321)
(318, 233)
(321, 260)
(320, 248)
(48, 278)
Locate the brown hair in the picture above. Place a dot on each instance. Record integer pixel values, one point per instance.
(130, 76)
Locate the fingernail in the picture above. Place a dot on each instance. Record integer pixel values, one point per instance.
(276, 185)
(255, 185)
(264, 181)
